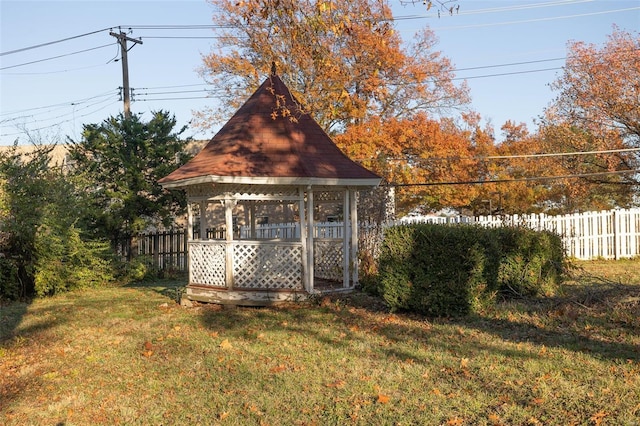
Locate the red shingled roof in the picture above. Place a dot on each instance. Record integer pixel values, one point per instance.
(253, 147)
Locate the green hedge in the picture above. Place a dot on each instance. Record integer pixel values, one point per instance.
(454, 270)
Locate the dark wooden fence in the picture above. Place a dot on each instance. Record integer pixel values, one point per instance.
(162, 250)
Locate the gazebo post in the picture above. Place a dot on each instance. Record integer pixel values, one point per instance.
(203, 220)
(189, 233)
(353, 204)
(303, 240)
(252, 219)
(345, 237)
(189, 222)
(310, 238)
(228, 220)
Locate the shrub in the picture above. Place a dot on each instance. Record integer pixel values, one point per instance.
(66, 262)
(531, 263)
(453, 270)
(40, 246)
(9, 282)
(138, 269)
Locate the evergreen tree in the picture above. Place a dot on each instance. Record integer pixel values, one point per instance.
(122, 160)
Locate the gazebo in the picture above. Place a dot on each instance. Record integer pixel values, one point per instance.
(256, 192)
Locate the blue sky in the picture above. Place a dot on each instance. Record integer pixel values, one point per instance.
(52, 98)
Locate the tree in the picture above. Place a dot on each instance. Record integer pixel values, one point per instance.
(122, 160)
(341, 59)
(41, 248)
(24, 193)
(598, 108)
(595, 184)
(538, 173)
(414, 151)
(522, 190)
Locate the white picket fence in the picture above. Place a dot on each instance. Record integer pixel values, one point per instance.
(612, 234)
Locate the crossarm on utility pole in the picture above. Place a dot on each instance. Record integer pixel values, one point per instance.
(122, 40)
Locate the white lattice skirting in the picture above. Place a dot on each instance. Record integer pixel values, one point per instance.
(256, 265)
(262, 265)
(207, 263)
(329, 259)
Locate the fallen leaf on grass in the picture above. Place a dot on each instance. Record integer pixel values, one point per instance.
(336, 384)
(253, 409)
(148, 345)
(278, 369)
(598, 417)
(382, 399)
(495, 419)
(455, 421)
(147, 354)
(225, 344)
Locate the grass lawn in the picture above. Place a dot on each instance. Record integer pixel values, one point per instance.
(131, 355)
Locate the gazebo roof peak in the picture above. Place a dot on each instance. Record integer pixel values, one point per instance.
(271, 140)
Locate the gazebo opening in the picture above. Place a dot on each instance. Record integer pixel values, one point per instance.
(272, 207)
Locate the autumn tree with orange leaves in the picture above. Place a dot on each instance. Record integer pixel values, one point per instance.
(520, 164)
(421, 156)
(585, 155)
(598, 109)
(343, 60)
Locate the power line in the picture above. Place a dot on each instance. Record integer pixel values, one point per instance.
(184, 37)
(561, 154)
(551, 18)
(464, 12)
(177, 27)
(473, 77)
(56, 57)
(527, 179)
(508, 157)
(65, 121)
(73, 112)
(51, 42)
(173, 99)
(173, 87)
(54, 72)
(167, 93)
(510, 64)
(68, 103)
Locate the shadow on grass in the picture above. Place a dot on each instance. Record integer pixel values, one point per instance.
(554, 322)
(171, 288)
(522, 332)
(11, 315)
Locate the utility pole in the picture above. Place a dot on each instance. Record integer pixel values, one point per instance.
(122, 39)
